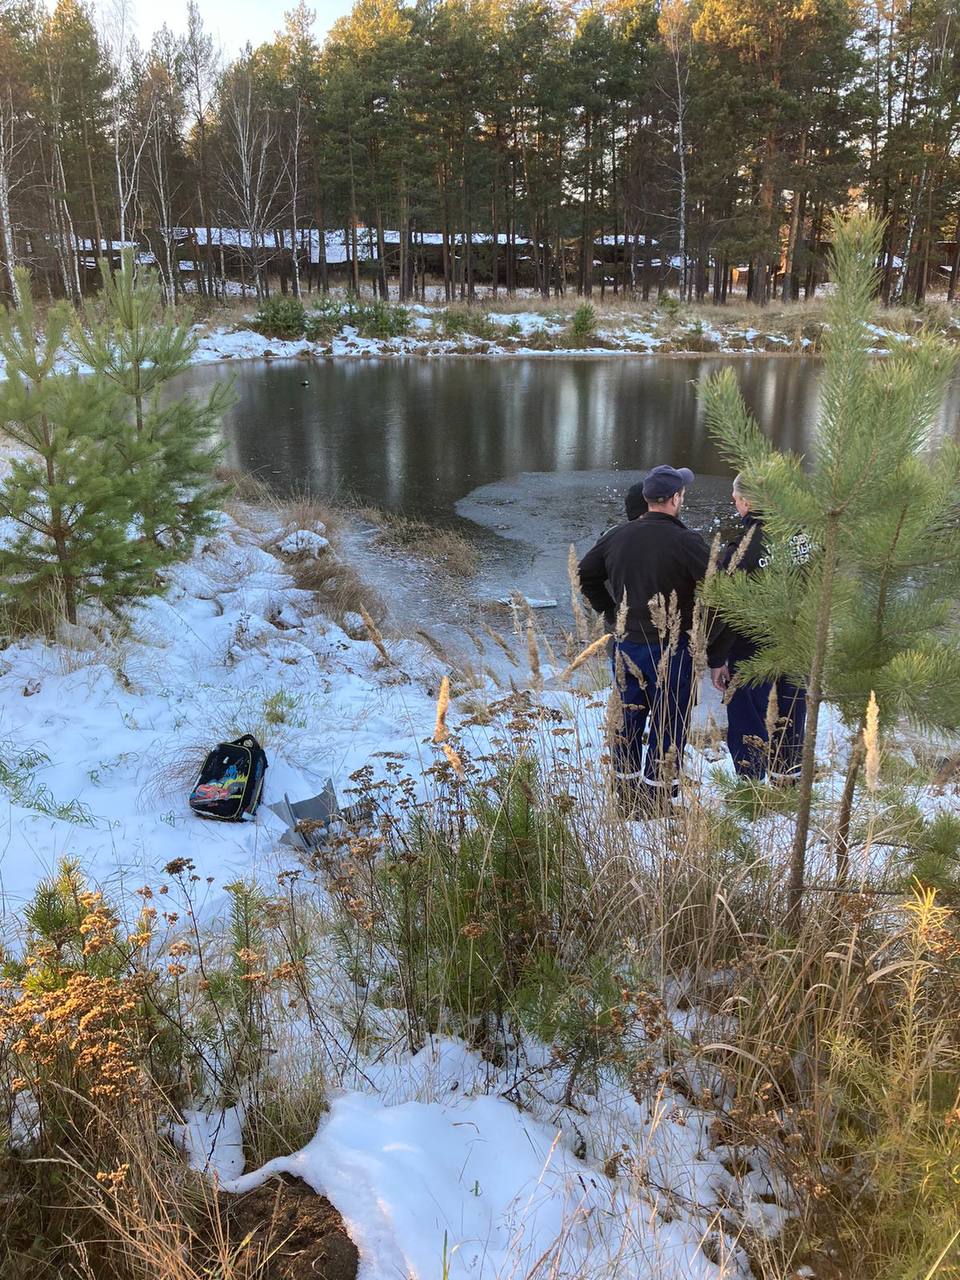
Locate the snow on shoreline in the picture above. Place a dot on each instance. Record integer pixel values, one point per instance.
(535, 333)
(245, 344)
(523, 334)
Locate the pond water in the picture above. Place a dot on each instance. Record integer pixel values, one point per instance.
(527, 454)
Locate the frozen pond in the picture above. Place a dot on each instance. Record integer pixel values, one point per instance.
(528, 454)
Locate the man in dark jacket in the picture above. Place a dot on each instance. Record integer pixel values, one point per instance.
(750, 707)
(648, 570)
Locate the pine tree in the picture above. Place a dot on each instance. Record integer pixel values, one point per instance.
(896, 637)
(135, 344)
(73, 510)
(866, 612)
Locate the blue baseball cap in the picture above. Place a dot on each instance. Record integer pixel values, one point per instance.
(663, 482)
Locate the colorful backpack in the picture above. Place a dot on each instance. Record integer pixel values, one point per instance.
(230, 781)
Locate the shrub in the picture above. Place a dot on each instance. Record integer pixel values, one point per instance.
(458, 321)
(281, 318)
(583, 326)
(383, 320)
(695, 338)
(670, 305)
(376, 319)
(325, 321)
(473, 908)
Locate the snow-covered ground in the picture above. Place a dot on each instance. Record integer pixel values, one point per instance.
(529, 332)
(441, 1162)
(438, 1159)
(510, 334)
(104, 736)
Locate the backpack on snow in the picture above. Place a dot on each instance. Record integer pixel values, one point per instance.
(230, 781)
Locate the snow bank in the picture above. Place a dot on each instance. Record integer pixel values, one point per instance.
(480, 1188)
(106, 741)
(439, 1168)
(305, 542)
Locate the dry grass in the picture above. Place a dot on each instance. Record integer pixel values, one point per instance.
(334, 584)
(450, 550)
(337, 589)
(830, 1054)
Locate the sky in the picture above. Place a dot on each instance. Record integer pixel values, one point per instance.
(233, 22)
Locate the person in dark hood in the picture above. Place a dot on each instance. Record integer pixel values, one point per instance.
(650, 567)
(634, 505)
(755, 753)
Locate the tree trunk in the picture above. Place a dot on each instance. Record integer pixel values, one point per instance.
(511, 258)
(321, 242)
(798, 851)
(954, 265)
(923, 274)
(900, 290)
(586, 236)
(354, 263)
(384, 287)
(295, 256)
(56, 528)
(682, 204)
(7, 245)
(816, 231)
(204, 192)
(404, 230)
(794, 228)
(841, 848)
(102, 246)
(71, 248)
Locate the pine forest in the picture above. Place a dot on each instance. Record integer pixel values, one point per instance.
(620, 146)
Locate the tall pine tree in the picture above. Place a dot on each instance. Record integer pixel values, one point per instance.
(880, 515)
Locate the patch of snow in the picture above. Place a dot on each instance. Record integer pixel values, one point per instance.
(477, 1185)
(212, 1141)
(122, 727)
(244, 344)
(24, 1121)
(305, 542)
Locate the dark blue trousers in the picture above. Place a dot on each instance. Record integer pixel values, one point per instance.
(656, 694)
(753, 756)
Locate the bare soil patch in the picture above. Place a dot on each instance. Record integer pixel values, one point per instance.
(290, 1232)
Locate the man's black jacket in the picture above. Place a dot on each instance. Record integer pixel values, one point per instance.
(653, 555)
(727, 644)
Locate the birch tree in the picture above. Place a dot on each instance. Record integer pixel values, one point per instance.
(13, 143)
(129, 126)
(675, 27)
(249, 175)
(200, 63)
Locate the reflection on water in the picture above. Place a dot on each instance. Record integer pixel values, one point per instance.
(534, 453)
(417, 435)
